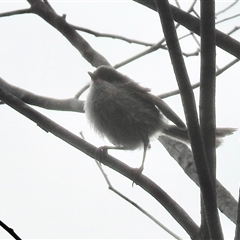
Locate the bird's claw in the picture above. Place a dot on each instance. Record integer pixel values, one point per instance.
(138, 172)
(101, 152)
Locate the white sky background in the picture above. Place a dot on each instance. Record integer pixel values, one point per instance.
(48, 189)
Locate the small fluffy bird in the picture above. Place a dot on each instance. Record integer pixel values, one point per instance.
(129, 115)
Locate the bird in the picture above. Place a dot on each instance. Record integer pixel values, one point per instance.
(129, 115)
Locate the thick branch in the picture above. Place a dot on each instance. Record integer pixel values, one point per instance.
(71, 104)
(49, 126)
(184, 157)
(192, 23)
(207, 106)
(45, 12)
(206, 185)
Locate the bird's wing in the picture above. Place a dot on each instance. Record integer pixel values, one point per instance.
(167, 111)
(162, 106)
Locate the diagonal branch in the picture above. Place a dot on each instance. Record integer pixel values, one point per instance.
(148, 185)
(45, 12)
(196, 85)
(108, 35)
(206, 184)
(71, 104)
(110, 186)
(16, 12)
(184, 157)
(9, 230)
(192, 23)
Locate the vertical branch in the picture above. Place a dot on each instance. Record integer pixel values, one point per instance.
(207, 98)
(237, 231)
(208, 81)
(189, 105)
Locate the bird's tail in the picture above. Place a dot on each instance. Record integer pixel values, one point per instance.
(182, 134)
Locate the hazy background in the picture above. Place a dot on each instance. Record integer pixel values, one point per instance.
(48, 189)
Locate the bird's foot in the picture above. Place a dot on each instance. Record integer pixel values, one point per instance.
(137, 173)
(101, 152)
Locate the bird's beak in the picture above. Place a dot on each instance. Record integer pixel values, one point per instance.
(90, 74)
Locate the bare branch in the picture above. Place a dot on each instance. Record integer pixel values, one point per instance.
(234, 30)
(196, 85)
(81, 91)
(71, 104)
(16, 12)
(9, 230)
(206, 184)
(228, 18)
(114, 36)
(110, 186)
(145, 52)
(49, 126)
(237, 231)
(227, 8)
(45, 12)
(184, 157)
(192, 23)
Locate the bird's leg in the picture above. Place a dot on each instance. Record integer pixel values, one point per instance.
(139, 170)
(145, 147)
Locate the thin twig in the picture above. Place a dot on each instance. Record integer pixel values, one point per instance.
(81, 91)
(145, 52)
(108, 35)
(155, 47)
(234, 30)
(16, 12)
(110, 186)
(227, 8)
(196, 85)
(177, 3)
(195, 39)
(228, 18)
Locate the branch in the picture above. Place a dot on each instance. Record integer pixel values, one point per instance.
(44, 11)
(134, 204)
(114, 36)
(49, 126)
(208, 82)
(237, 230)
(206, 185)
(145, 52)
(228, 18)
(71, 104)
(184, 157)
(219, 71)
(192, 23)
(155, 47)
(207, 112)
(9, 230)
(16, 12)
(227, 8)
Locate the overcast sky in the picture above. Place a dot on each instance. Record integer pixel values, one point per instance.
(51, 190)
